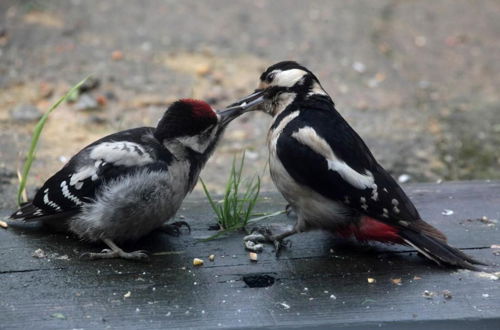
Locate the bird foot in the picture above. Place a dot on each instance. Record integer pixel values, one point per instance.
(289, 211)
(265, 235)
(174, 228)
(112, 254)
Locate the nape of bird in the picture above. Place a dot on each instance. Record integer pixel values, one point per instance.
(127, 184)
(328, 175)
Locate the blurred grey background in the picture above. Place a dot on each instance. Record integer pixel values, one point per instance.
(419, 80)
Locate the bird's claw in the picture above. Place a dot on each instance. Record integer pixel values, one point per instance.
(174, 228)
(140, 255)
(265, 235)
(289, 210)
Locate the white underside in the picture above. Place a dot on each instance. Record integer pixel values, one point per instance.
(313, 210)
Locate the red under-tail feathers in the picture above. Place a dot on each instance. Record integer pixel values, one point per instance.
(426, 239)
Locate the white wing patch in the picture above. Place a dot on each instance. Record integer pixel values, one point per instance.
(48, 202)
(122, 153)
(66, 193)
(308, 136)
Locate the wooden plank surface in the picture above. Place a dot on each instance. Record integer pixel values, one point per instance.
(320, 282)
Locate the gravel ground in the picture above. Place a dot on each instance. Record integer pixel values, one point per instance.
(419, 80)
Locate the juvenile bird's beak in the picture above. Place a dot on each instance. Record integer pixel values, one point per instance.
(246, 104)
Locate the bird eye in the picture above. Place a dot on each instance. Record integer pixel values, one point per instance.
(270, 77)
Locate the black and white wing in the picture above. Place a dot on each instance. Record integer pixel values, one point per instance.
(81, 178)
(320, 150)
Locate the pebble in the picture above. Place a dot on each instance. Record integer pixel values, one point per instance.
(25, 112)
(403, 178)
(86, 102)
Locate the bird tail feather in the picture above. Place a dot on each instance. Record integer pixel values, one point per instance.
(432, 244)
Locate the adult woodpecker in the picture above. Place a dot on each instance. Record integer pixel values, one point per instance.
(127, 184)
(329, 176)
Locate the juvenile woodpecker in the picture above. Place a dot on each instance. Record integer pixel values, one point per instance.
(329, 176)
(127, 184)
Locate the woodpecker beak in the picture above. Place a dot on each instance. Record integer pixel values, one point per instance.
(246, 104)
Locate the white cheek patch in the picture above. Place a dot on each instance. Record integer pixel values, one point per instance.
(288, 78)
(308, 136)
(198, 143)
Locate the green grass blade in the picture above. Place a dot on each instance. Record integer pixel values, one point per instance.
(34, 141)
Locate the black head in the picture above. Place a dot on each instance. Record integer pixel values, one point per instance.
(283, 82)
(185, 118)
(194, 124)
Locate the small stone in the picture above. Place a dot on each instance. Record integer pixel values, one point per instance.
(39, 253)
(403, 178)
(211, 257)
(447, 294)
(359, 67)
(45, 90)
(86, 102)
(420, 41)
(117, 55)
(89, 84)
(197, 262)
(428, 294)
(25, 112)
(447, 212)
(203, 69)
(253, 256)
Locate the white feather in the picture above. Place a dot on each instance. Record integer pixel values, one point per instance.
(308, 136)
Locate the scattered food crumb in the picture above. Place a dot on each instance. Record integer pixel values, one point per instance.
(4, 224)
(396, 281)
(197, 262)
(371, 280)
(285, 305)
(332, 296)
(428, 294)
(488, 275)
(63, 257)
(211, 257)
(447, 294)
(253, 256)
(416, 278)
(59, 316)
(447, 212)
(494, 246)
(485, 295)
(39, 253)
(127, 295)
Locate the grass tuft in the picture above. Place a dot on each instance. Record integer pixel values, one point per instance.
(23, 177)
(235, 209)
